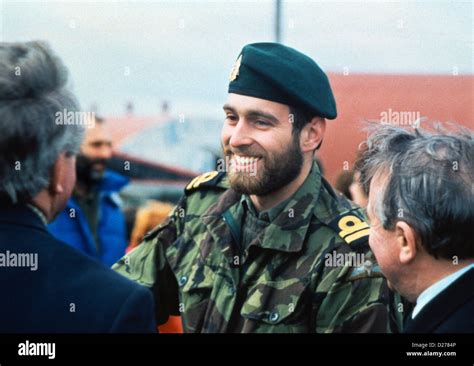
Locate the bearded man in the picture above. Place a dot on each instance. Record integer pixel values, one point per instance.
(250, 249)
(93, 221)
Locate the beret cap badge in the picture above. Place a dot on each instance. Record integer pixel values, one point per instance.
(234, 73)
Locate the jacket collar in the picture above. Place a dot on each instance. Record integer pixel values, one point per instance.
(443, 305)
(112, 182)
(21, 215)
(288, 231)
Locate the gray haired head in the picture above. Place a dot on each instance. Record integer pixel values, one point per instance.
(428, 177)
(32, 92)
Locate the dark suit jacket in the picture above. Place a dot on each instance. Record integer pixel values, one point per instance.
(68, 292)
(452, 311)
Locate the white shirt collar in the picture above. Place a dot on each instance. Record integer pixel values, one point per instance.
(38, 213)
(434, 290)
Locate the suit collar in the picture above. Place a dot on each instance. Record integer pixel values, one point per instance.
(443, 305)
(21, 215)
(432, 291)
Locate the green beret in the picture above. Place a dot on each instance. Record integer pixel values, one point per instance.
(282, 74)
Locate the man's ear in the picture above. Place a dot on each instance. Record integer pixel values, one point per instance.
(406, 242)
(57, 173)
(312, 134)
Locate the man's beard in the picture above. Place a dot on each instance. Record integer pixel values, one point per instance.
(86, 173)
(277, 169)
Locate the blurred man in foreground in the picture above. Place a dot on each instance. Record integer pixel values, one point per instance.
(421, 209)
(46, 285)
(93, 221)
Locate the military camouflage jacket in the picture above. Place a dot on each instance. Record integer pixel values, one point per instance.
(289, 279)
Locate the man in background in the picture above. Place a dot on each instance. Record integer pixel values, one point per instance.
(47, 286)
(93, 221)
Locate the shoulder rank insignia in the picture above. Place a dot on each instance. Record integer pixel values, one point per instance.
(351, 228)
(210, 179)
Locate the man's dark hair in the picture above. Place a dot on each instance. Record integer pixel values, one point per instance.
(301, 117)
(99, 120)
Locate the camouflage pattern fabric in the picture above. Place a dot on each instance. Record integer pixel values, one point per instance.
(281, 282)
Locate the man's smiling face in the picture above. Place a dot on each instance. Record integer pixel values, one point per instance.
(257, 138)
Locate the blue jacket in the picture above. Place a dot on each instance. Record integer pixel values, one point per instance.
(62, 290)
(76, 232)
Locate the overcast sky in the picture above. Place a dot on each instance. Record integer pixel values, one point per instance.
(149, 51)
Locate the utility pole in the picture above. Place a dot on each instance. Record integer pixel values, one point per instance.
(278, 4)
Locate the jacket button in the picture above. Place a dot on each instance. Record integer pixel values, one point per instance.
(182, 281)
(274, 316)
